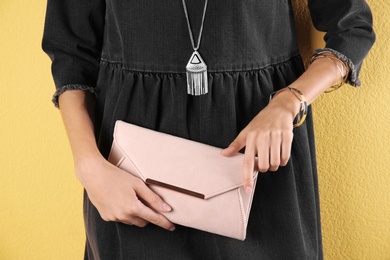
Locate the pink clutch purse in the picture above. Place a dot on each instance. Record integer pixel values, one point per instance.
(203, 187)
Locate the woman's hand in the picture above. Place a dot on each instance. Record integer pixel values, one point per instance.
(269, 135)
(119, 196)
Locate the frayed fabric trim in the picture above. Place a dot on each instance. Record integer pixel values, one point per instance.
(62, 89)
(352, 78)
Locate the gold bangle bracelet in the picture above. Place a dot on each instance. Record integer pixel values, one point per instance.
(342, 68)
(301, 116)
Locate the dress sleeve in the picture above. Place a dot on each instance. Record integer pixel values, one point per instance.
(72, 38)
(349, 33)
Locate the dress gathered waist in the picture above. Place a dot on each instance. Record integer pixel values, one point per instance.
(146, 67)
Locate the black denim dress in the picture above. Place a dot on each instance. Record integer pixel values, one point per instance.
(132, 55)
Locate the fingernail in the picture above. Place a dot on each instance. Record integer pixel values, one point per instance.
(248, 189)
(172, 228)
(166, 207)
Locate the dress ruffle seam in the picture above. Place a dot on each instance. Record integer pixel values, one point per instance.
(268, 65)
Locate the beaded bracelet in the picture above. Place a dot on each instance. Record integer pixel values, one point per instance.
(301, 116)
(343, 69)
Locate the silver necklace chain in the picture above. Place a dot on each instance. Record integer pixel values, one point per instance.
(189, 25)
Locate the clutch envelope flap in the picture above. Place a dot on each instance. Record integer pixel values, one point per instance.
(176, 163)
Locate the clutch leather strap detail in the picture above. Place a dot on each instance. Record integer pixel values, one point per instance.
(174, 188)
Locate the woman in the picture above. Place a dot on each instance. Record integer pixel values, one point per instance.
(126, 60)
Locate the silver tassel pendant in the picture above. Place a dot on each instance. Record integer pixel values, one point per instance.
(197, 83)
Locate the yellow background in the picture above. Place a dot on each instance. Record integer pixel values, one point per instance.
(40, 198)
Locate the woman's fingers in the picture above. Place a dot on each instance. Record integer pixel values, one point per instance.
(155, 202)
(236, 145)
(122, 197)
(151, 198)
(140, 215)
(249, 162)
(153, 217)
(136, 221)
(274, 152)
(287, 138)
(263, 151)
(269, 135)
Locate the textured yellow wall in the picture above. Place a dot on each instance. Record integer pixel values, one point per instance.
(352, 128)
(40, 208)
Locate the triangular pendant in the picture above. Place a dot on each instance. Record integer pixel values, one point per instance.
(195, 59)
(196, 75)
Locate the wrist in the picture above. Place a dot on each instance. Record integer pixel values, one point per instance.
(287, 101)
(301, 115)
(85, 154)
(87, 164)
